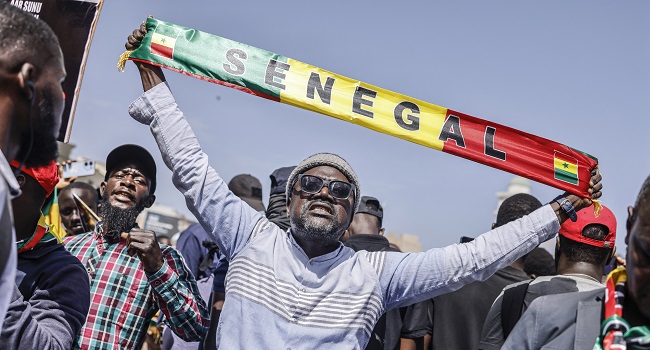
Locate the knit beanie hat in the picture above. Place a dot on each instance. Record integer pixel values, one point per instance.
(327, 159)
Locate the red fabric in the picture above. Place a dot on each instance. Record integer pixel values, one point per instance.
(38, 235)
(527, 155)
(161, 50)
(47, 176)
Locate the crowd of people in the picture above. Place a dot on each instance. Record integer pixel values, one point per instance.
(310, 271)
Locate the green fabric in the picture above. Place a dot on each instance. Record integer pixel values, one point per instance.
(199, 50)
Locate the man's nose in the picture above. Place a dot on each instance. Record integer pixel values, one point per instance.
(75, 215)
(325, 193)
(128, 181)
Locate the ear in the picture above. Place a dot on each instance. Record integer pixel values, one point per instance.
(21, 180)
(494, 225)
(148, 202)
(381, 232)
(629, 222)
(102, 188)
(288, 206)
(26, 79)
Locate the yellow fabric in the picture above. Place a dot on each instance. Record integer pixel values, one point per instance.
(431, 117)
(52, 217)
(163, 40)
(566, 166)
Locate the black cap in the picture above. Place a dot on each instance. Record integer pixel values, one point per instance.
(249, 189)
(371, 205)
(279, 179)
(136, 154)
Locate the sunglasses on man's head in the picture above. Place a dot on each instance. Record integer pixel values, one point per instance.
(313, 184)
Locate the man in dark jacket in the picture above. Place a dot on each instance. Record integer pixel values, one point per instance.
(51, 297)
(458, 317)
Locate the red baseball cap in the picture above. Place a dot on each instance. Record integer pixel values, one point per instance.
(47, 176)
(573, 230)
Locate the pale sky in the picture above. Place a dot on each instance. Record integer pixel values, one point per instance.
(574, 72)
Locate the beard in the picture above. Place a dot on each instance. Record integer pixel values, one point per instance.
(38, 143)
(117, 219)
(321, 230)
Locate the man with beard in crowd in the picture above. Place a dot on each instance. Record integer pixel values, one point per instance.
(31, 104)
(306, 288)
(131, 275)
(74, 217)
(51, 295)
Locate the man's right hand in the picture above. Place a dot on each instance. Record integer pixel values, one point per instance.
(149, 74)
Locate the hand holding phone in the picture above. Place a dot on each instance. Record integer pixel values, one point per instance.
(78, 168)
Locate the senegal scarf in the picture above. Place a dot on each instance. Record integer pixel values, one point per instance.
(49, 225)
(616, 333)
(278, 78)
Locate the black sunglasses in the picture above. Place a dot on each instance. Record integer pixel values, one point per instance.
(313, 184)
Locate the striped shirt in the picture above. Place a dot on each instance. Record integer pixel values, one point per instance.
(124, 297)
(279, 298)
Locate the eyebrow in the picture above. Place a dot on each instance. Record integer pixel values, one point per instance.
(131, 171)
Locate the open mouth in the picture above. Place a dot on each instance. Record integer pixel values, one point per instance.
(321, 208)
(123, 196)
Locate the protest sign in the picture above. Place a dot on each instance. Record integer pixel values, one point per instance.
(73, 22)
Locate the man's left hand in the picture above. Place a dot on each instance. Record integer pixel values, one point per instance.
(144, 244)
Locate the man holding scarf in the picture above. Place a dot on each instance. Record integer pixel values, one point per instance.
(306, 288)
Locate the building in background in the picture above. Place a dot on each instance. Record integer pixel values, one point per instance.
(165, 221)
(405, 241)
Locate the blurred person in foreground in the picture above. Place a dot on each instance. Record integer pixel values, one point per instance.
(76, 219)
(304, 285)
(51, 297)
(403, 328)
(132, 276)
(31, 104)
(582, 250)
(616, 319)
(458, 316)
